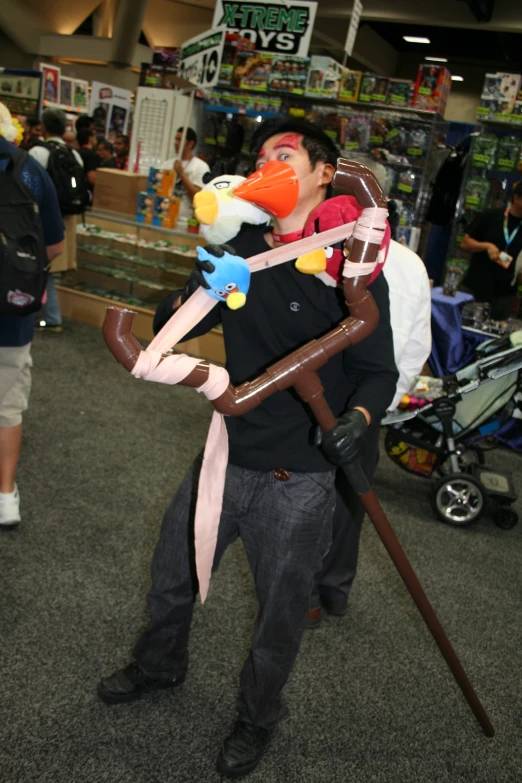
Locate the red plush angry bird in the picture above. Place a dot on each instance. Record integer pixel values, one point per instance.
(327, 264)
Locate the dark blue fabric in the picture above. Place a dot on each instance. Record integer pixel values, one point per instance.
(15, 329)
(449, 350)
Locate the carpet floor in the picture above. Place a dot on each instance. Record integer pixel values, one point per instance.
(371, 700)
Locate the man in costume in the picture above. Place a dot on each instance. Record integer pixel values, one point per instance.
(279, 493)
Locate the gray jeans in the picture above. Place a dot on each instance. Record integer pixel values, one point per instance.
(285, 527)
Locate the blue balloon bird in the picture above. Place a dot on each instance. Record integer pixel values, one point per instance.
(230, 280)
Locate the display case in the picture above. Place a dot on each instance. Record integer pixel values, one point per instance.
(132, 265)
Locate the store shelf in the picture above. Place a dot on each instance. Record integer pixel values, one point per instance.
(127, 220)
(266, 115)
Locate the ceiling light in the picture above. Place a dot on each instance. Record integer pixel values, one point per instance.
(416, 39)
(437, 59)
(457, 78)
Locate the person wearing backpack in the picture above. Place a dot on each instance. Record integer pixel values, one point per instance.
(65, 168)
(29, 211)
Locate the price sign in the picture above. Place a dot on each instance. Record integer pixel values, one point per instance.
(200, 58)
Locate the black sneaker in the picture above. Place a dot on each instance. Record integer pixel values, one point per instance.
(130, 684)
(242, 750)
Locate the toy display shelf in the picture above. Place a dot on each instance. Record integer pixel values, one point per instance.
(127, 264)
(501, 184)
(243, 112)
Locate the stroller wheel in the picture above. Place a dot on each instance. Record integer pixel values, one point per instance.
(458, 499)
(505, 518)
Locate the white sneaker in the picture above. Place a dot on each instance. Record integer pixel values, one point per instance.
(10, 508)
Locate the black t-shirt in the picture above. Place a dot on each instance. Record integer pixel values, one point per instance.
(110, 163)
(284, 310)
(485, 278)
(91, 159)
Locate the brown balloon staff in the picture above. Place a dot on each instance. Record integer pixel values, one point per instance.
(299, 371)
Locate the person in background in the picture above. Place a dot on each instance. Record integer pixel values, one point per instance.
(105, 152)
(34, 133)
(410, 316)
(16, 332)
(495, 240)
(54, 124)
(121, 151)
(88, 142)
(71, 139)
(189, 172)
(84, 121)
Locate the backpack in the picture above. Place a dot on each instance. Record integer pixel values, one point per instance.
(68, 177)
(23, 255)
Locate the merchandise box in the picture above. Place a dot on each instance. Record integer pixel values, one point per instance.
(431, 88)
(161, 182)
(499, 96)
(374, 89)
(117, 190)
(350, 85)
(144, 208)
(324, 78)
(252, 70)
(165, 211)
(400, 92)
(234, 44)
(288, 74)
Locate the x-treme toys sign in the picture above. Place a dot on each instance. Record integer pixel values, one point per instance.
(272, 26)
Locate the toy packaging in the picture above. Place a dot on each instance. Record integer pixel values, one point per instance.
(508, 154)
(288, 74)
(380, 90)
(407, 181)
(165, 211)
(499, 94)
(417, 143)
(324, 78)
(368, 83)
(400, 92)
(431, 88)
(477, 191)
(144, 208)
(350, 84)
(234, 43)
(252, 71)
(160, 183)
(485, 150)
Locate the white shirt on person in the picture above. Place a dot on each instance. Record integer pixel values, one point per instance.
(195, 169)
(42, 154)
(410, 314)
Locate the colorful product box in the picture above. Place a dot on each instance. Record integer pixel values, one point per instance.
(350, 85)
(400, 92)
(324, 78)
(252, 71)
(288, 74)
(144, 208)
(165, 211)
(431, 88)
(367, 89)
(160, 182)
(499, 96)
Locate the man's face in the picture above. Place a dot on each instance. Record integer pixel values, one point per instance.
(36, 131)
(517, 204)
(189, 145)
(288, 148)
(103, 152)
(120, 147)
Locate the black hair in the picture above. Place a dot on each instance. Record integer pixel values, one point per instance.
(319, 146)
(83, 121)
(107, 145)
(191, 135)
(517, 190)
(84, 135)
(33, 122)
(54, 121)
(124, 138)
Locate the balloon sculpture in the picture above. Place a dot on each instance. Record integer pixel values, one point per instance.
(275, 188)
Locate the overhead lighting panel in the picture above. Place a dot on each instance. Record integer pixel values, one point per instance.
(416, 39)
(457, 78)
(437, 59)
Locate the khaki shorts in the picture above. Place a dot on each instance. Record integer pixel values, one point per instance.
(15, 383)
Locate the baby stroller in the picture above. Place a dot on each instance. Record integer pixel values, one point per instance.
(442, 436)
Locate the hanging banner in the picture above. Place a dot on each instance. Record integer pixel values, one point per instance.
(200, 58)
(110, 109)
(283, 26)
(354, 26)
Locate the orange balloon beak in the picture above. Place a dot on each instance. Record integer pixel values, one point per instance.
(274, 188)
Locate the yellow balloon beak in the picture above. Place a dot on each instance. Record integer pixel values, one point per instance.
(236, 300)
(206, 207)
(312, 263)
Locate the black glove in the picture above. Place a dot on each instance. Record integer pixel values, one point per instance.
(196, 278)
(346, 442)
